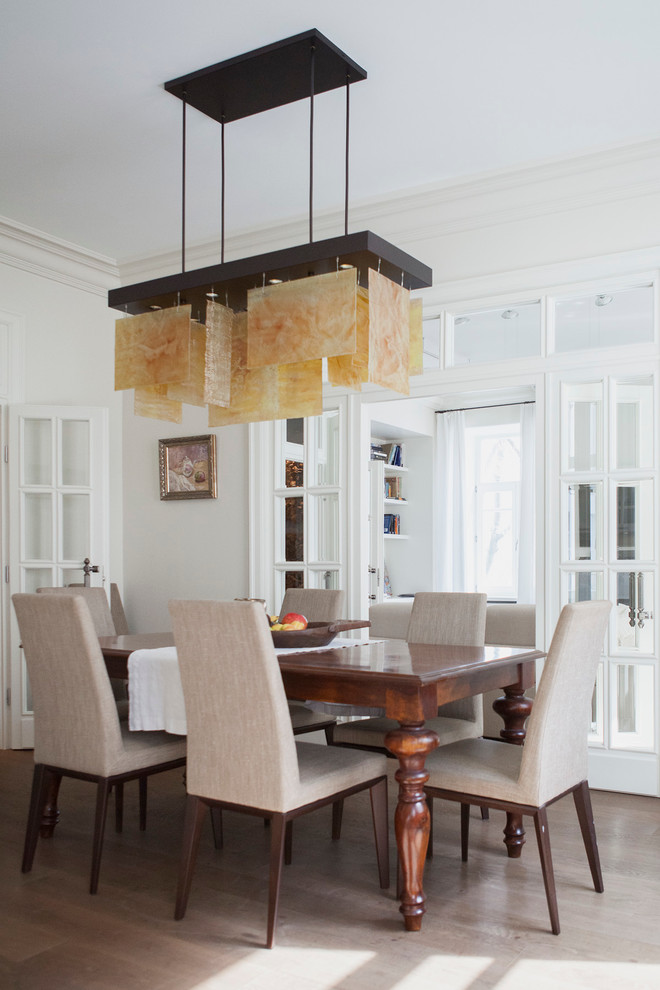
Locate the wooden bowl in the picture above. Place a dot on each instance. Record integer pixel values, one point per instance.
(316, 633)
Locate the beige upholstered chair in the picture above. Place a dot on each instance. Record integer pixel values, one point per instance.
(317, 605)
(117, 611)
(442, 618)
(97, 600)
(553, 761)
(77, 731)
(252, 763)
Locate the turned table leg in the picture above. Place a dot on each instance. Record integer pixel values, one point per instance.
(411, 744)
(514, 708)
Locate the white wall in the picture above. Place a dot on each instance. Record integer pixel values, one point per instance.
(195, 548)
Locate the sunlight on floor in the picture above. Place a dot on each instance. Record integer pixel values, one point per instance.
(580, 975)
(453, 972)
(318, 968)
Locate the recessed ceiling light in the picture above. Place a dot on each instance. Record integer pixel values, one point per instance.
(211, 295)
(346, 266)
(510, 314)
(603, 300)
(460, 320)
(274, 281)
(155, 307)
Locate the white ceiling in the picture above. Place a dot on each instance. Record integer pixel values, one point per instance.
(90, 146)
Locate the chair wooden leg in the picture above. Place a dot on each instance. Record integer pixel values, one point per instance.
(465, 831)
(484, 813)
(429, 848)
(543, 839)
(216, 826)
(119, 806)
(195, 811)
(288, 843)
(378, 795)
(337, 814)
(277, 841)
(102, 794)
(142, 782)
(40, 779)
(582, 799)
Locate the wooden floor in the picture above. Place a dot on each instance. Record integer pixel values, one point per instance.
(486, 925)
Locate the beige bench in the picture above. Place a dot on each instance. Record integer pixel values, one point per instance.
(507, 623)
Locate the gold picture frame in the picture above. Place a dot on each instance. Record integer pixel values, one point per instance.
(187, 467)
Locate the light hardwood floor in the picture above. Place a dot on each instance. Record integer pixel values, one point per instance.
(486, 925)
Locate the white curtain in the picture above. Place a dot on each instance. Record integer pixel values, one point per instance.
(526, 568)
(451, 497)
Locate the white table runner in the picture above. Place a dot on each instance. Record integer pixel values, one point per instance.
(155, 691)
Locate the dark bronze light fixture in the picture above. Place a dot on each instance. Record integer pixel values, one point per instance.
(289, 70)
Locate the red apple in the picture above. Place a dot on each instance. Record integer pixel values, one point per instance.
(300, 620)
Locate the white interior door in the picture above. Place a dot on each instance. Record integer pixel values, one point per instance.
(58, 505)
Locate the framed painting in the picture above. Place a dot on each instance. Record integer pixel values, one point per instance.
(187, 467)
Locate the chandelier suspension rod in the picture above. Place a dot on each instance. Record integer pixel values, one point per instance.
(348, 117)
(183, 184)
(311, 142)
(222, 191)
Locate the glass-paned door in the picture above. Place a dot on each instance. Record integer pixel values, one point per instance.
(308, 505)
(609, 479)
(59, 516)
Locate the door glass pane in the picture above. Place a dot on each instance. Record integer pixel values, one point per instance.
(75, 453)
(294, 541)
(294, 579)
(325, 430)
(326, 515)
(585, 586)
(633, 423)
(37, 452)
(583, 414)
(585, 521)
(38, 515)
(497, 334)
(634, 521)
(634, 611)
(37, 577)
(632, 689)
(325, 579)
(294, 453)
(607, 319)
(597, 722)
(75, 527)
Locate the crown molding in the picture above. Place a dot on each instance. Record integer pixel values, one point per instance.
(41, 254)
(410, 217)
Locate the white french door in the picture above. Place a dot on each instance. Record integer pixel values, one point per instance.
(609, 549)
(58, 505)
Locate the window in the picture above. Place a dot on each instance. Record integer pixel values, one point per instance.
(493, 476)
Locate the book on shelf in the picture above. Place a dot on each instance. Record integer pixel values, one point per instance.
(393, 453)
(377, 453)
(392, 523)
(393, 488)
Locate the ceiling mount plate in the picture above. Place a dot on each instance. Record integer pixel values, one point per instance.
(266, 78)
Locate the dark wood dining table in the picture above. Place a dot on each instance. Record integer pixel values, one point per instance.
(409, 681)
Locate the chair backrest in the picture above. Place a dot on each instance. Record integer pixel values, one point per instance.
(97, 601)
(453, 618)
(240, 742)
(316, 604)
(117, 611)
(75, 716)
(448, 618)
(555, 752)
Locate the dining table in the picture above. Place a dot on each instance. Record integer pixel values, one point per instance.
(408, 681)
